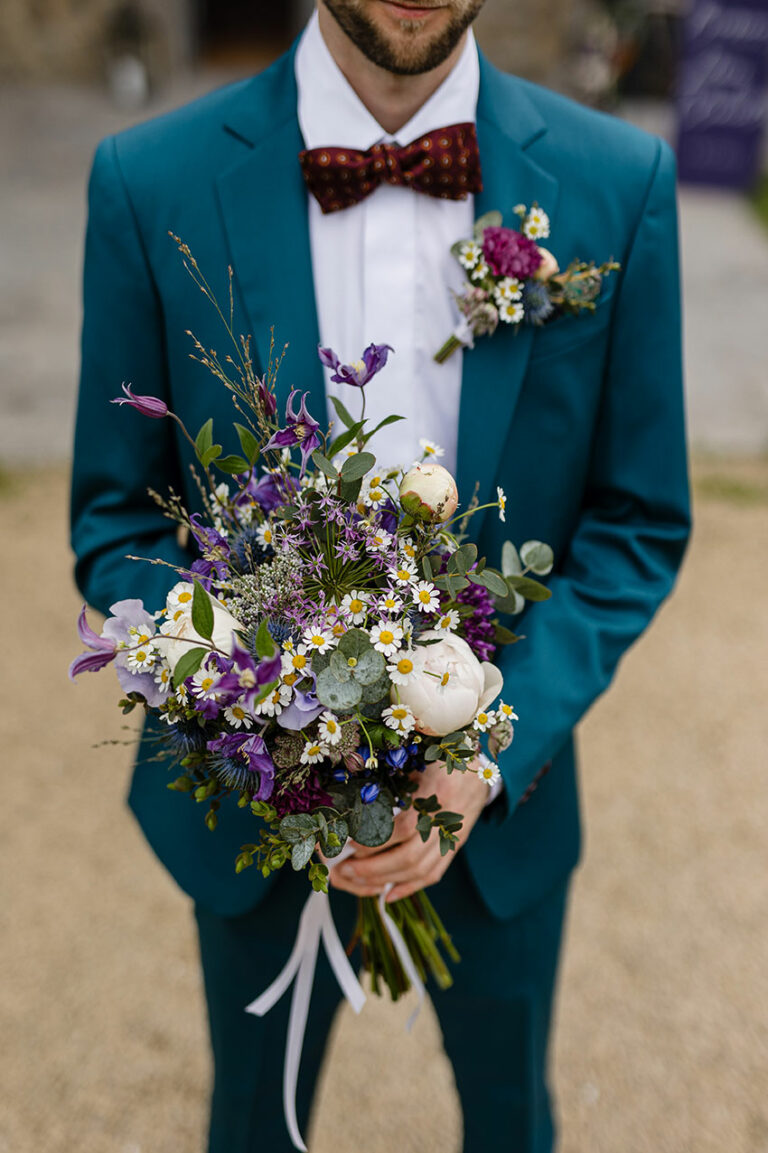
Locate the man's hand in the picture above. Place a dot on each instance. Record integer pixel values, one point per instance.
(406, 861)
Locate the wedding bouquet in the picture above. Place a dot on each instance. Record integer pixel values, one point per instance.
(334, 636)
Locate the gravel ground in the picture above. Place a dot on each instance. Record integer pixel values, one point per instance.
(662, 1033)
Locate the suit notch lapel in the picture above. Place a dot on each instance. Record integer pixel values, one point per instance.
(494, 370)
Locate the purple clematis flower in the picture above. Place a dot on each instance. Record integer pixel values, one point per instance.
(303, 709)
(300, 430)
(215, 552)
(270, 491)
(103, 649)
(147, 405)
(247, 677)
(359, 373)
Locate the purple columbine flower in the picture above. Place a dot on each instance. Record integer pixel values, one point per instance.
(103, 649)
(300, 430)
(359, 373)
(147, 405)
(270, 491)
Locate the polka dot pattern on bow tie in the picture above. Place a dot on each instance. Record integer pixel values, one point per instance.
(444, 163)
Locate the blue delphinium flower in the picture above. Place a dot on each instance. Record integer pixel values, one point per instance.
(538, 307)
(369, 793)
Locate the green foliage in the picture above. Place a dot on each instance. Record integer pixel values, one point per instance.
(232, 465)
(537, 556)
(248, 443)
(188, 665)
(204, 439)
(264, 644)
(492, 219)
(530, 589)
(324, 465)
(342, 412)
(431, 816)
(202, 612)
(355, 467)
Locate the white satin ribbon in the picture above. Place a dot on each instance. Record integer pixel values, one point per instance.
(316, 923)
(463, 333)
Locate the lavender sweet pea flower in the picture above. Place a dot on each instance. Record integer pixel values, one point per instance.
(103, 649)
(147, 405)
(361, 371)
(303, 709)
(300, 430)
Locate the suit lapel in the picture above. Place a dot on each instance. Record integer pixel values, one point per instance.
(494, 370)
(263, 202)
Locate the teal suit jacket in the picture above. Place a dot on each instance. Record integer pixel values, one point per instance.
(580, 422)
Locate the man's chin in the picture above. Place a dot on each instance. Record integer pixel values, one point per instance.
(401, 37)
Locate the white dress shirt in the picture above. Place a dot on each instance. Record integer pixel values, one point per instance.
(383, 269)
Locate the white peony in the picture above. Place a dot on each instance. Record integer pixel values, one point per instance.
(182, 636)
(449, 685)
(429, 492)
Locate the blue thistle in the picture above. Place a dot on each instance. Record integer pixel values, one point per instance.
(233, 772)
(186, 737)
(247, 550)
(538, 307)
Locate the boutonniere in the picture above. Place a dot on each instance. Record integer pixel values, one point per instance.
(512, 280)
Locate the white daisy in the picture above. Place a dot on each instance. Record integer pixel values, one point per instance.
(506, 712)
(274, 703)
(407, 547)
(295, 660)
(430, 450)
(205, 682)
(162, 674)
(313, 752)
(488, 772)
(480, 271)
(426, 597)
(400, 718)
(141, 658)
(389, 603)
(508, 289)
(386, 637)
(355, 604)
(319, 640)
(469, 254)
(483, 721)
(238, 716)
(502, 499)
(401, 670)
(536, 226)
(180, 597)
(329, 728)
(265, 534)
(373, 494)
(448, 621)
(511, 312)
(404, 574)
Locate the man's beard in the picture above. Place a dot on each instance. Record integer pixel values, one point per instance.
(411, 59)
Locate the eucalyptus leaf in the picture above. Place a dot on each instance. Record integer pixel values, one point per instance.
(376, 822)
(339, 829)
(370, 667)
(301, 854)
(324, 464)
(188, 665)
(296, 826)
(464, 558)
(512, 604)
(339, 666)
(504, 636)
(537, 556)
(490, 580)
(492, 219)
(510, 561)
(350, 490)
(345, 438)
(530, 589)
(355, 467)
(335, 695)
(354, 642)
(202, 612)
(375, 692)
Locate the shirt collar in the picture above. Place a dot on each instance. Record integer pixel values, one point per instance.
(331, 113)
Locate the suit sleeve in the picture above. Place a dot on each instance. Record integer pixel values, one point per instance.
(119, 453)
(635, 517)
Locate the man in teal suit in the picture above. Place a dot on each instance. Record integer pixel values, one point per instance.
(580, 422)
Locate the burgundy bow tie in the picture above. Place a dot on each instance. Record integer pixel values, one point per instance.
(443, 163)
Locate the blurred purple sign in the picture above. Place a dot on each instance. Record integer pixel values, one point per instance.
(723, 92)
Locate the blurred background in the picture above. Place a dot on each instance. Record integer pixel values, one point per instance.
(662, 1031)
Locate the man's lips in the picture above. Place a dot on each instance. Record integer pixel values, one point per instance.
(411, 11)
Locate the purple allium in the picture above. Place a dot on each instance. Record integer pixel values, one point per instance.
(362, 371)
(300, 430)
(146, 405)
(510, 253)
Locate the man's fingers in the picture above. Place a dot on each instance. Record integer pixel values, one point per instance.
(402, 862)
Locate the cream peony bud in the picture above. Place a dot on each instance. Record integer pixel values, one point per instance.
(449, 686)
(182, 636)
(548, 267)
(428, 491)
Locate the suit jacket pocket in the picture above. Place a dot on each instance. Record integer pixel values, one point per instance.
(569, 332)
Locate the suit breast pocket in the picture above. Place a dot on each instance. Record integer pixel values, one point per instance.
(568, 333)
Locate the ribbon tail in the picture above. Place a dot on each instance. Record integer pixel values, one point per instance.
(339, 961)
(297, 1027)
(406, 960)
